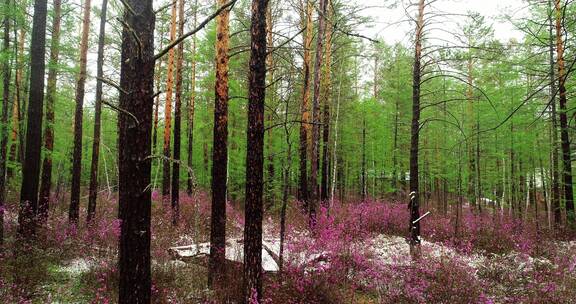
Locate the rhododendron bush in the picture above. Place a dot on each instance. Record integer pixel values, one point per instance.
(356, 253)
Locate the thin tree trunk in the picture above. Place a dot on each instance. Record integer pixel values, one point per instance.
(4, 126)
(177, 119)
(168, 108)
(191, 106)
(157, 78)
(74, 212)
(255, 156)
(46, 182)
(334, 152)
(414, 205)
(363, 176)
(16, 119)
(316, 114)
(564, 137)
(93, 192)
(303, 191)
(220, 152)
(327, 97)
(554, 127)
(31, 170)
(134, 147)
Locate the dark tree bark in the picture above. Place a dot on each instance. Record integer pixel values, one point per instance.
(316, 114)
(255, 156)
(564, 137)
(46, 182)
(177, 119)
(4, 126)
(31, 168)
(93, 192)
(414, 204)
(219, 152)
(136, 77)
(271, 103)
(303, 192)
(74, 212)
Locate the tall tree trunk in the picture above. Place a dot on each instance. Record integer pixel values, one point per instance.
(73, 213)
(191, 107)
(46, 182)
(327, 98)
(555, 197)
(93, 192)
(363, 189)
(303, 191)
(157, 79)
(566, 154)
(316, 113)
(334, 152)
(414, 205)
(396, 126)
(177, 119)
(16, 119)
(220, 151)
(255, 156)
(168, 108)
(31, 169)
(136, 77)
(270, 189)
(471, 193)
(4, 126)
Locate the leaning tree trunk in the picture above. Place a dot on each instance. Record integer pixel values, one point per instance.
(177, 119)
(31, 168)
(255, 156)
(414, 204)
(219, 152)
(168, 108)
(305, 106)
(566, 154)
(316, 114)
(136, 77)
(46, 183)
(74, 212)
(93, 192)
(4, 126)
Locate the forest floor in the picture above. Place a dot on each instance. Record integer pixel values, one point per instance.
(357, 254)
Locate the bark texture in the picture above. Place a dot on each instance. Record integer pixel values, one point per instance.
(31, 168)
(74, 212)
(219, 151)
(46, 182)
(255, 156)
(137, 77)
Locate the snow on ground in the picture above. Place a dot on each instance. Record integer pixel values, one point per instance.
(234, 252)
(77, 267)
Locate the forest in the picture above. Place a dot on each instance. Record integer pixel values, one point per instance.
(298, 151)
